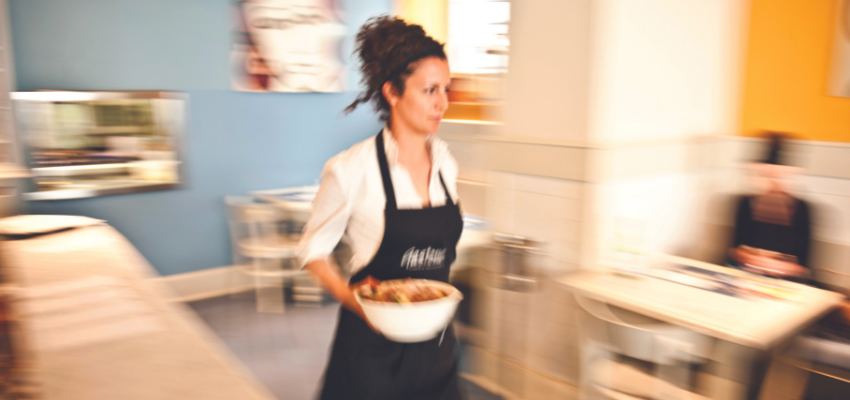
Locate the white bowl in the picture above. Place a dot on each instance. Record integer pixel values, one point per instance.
(413, 322)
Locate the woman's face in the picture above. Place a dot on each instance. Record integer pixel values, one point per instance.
(772, 177)
(420, 108)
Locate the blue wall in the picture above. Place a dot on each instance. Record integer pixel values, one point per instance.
(237, 141)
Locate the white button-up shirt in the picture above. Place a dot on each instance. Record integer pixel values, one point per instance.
(350, 202)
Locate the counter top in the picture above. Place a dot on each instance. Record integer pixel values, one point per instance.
(97, 328)
(758, 323)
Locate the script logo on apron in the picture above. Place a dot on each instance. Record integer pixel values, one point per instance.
(423, 259)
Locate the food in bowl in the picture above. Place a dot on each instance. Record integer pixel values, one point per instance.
(408, 310)
(402, 291)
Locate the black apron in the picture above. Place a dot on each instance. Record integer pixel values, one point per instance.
(366, 366)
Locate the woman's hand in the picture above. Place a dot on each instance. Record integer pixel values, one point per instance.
(773, 267)
(355, 307)
(770, 266)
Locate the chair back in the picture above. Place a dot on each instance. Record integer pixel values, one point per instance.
(250, 221)
(638, 336)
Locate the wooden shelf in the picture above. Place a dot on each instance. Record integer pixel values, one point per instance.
(474, 111)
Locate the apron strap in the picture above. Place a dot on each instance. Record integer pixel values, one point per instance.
(385, 172)
(445, 189)
(387, 180)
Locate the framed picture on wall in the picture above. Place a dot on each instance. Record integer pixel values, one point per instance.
(839, 84)
(288, 46)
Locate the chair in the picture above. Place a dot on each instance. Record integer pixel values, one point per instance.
(295, 206)
(608, 332)
(824, 350)
(260, 250)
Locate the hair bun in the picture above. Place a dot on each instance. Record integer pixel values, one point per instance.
(386, 46)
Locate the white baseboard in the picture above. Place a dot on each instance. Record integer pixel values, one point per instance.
(208, 283)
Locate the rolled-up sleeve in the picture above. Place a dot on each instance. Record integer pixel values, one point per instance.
(328, 220)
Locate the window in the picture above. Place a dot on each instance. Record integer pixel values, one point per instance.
(478, 36)
(478, 54)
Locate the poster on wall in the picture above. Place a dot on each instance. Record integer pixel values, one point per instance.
(288, 46)
(839, 84)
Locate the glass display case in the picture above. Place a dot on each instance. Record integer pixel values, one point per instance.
(90, 144)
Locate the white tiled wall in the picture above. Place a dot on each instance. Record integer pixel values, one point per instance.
(470, 159)
(658, 212)
(830, 198)
(547, 209)
(824, 185)
(831, 220)
(628, 162)
(473, 197)
(531, 346)
(828, 160)
(462, 139)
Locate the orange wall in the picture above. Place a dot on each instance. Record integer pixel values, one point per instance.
(785, 82)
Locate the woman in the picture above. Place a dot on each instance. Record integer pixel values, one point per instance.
(772, 233)
(387, 195)
(772, 227)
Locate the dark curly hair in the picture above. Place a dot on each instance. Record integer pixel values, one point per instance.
(775, 152)
(388, 47)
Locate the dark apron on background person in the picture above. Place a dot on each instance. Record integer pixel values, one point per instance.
(367, 366)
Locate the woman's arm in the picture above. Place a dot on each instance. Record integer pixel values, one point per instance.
(336, 285)
(327, 224)
(803, 228)
(741, 234)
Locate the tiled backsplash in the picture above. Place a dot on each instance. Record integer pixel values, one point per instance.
(547, 209)
(543, 208)
(528, 347)
(831, 198)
